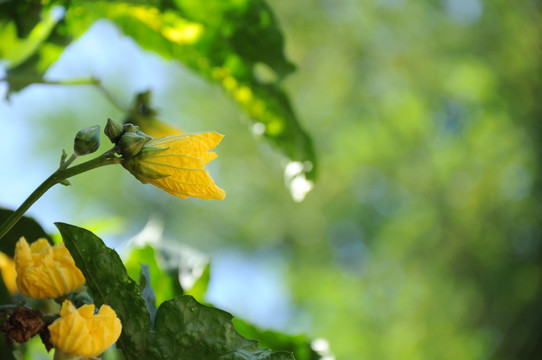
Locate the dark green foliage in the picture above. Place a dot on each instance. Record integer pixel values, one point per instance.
(110, 284)
(25, 14)
(26, 226)
(183, 328)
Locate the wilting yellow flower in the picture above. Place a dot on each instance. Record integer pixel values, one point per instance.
(7, 265)
(45, 271)
(176, 164)
(80, 332)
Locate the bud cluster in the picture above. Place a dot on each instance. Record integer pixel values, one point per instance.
(128, 138)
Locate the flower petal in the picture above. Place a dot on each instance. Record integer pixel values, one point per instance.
(80, 332)
(45, 271)
(176, 164)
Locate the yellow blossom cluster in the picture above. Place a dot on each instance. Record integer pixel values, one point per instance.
(45, 271)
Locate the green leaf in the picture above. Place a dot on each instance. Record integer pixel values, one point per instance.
(25, 14)
(248, 28)
(19, 40)
(6, 349)
(165, 283)
(199, 288)
(5, 297)
(299, 345)
(26, 226)
(227, 42)
(185, 329)
(146, 291)
(33, 66)
(110, 284)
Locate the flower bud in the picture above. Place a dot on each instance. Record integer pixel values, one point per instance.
(129, 127)
(113, 130)
(131, 143)
(141, 133)
(87, 141)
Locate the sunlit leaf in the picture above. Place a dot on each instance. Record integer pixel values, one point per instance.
(199, 288)
(228, 43)
(299, 345)
(33, 55)
(14, 48)
(163, 282)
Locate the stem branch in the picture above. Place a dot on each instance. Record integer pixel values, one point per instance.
(63, 173)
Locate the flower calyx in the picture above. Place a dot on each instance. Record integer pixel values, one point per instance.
(130, 143)
(129, 140)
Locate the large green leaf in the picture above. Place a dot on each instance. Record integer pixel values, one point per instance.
(110, 284)
(183, 328)
(227, 42)
(236, 44)
(186, 329)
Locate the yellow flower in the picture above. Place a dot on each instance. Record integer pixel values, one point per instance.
(157, 128)
(45, 271)
(80, 332)
(7, 265)
(176, 164)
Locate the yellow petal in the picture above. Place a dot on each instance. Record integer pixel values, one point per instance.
(176, 164)
(80, 332)
(157, 128)
(9, 274)
(45, 271)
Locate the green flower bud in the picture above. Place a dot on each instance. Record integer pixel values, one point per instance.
(141, 133)
(87, 141)
(129, 127)
(113, 130)
(131, 143)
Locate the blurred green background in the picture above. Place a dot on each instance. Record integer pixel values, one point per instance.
(422, 236)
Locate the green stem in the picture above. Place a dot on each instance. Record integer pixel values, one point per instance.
(25, 81)
(59, 176)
